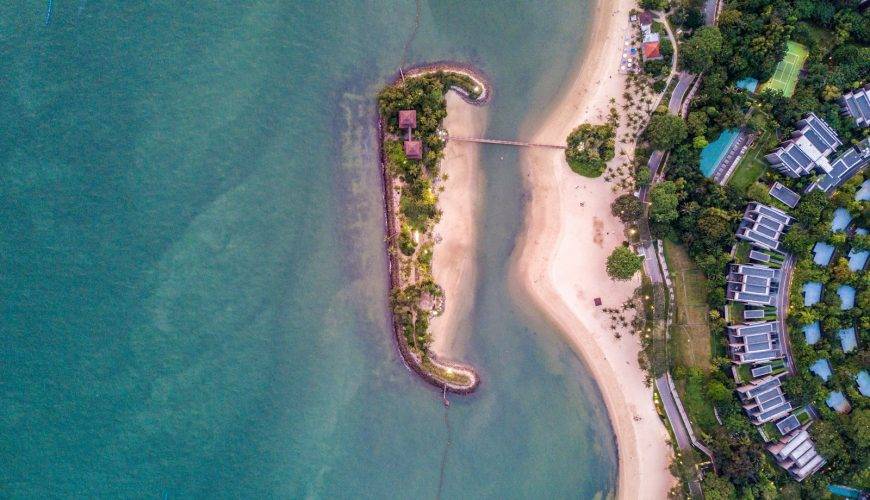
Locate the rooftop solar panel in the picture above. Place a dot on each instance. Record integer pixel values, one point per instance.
(785, 195)
(761, 370)
(759, 256)
(816, 140)
(788, 424)
(785, 407)
(774, 213)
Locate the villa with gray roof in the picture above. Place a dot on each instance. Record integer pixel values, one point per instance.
(797, 454)
(754, 342)
(763, 400)
(753, 284)
(784, 195)
(763, 226)
(856, 104)
(807, 149)
(844, 167)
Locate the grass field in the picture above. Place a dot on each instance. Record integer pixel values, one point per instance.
(785, 77)
(697, 406)
(690, 333)
(751, 166)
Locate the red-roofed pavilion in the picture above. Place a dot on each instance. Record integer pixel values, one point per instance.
(407, 118)
(414, 150)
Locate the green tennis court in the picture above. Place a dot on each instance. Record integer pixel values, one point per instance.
(785, 77)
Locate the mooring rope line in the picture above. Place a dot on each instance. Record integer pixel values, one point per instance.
(410, 40)
(446, 449)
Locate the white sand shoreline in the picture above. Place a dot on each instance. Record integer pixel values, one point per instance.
(559, 261)
(454, 257)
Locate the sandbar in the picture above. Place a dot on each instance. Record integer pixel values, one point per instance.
(454, 256)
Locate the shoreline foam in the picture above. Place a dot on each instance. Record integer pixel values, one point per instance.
(558, 267)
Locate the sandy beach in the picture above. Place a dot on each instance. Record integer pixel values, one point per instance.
(454, 256)
(559, 263)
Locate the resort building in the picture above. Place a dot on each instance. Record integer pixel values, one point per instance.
(414, 150)
(797, 454)
(407, 119)
(754, 342)
(844, 167)
(807, 150)
(856, 104)
(652, 49)
(646, 20)
(763, 226)
(763, 400)
(753, 284)
(408, 122)
(784, 195)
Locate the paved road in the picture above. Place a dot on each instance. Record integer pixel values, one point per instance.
(684, 83)
(680, 432)
(710, 7)
(782, 309)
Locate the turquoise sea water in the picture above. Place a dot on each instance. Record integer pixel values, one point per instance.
(194, 292)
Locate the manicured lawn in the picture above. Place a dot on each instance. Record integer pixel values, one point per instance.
(741, 253)
(752, 164)
(785, 77)
(690, 332)
(735, 312)
(749, 169)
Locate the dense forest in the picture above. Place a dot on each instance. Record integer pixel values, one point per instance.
(748, 41)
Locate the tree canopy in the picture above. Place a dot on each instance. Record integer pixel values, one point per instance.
(699, 51)
(666, 131)
(627, 207)
(664, 197)
(590, 147)
(623, 263)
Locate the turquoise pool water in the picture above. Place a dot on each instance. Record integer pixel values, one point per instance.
(842, 217)
(858, 259)
(812, 332)
(863, 380)
(844, 491)
(812, 292)
(847, 297)
(749, 84)
(822, 368)
(863, 194)
(848, 340)
(837, 401)
(715, 151)
(823, 253)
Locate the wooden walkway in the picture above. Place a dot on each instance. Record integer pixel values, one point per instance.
(506, 143)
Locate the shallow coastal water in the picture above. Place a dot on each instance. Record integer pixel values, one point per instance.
(193, 270)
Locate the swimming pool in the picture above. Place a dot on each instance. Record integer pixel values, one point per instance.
(812, 292)
(713, 153)
(863, 194)
(847, 297)
(858, 259)
(823, 253)
(748, 83)
(847, 339)
(863, 380)
(841, 219)
(812, 333)
(822, 368)
(837, 401)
